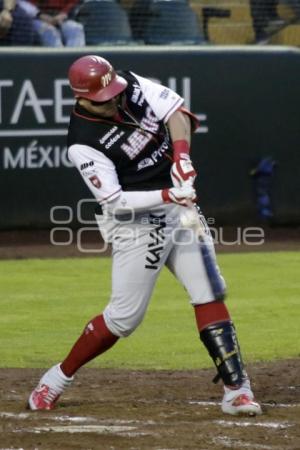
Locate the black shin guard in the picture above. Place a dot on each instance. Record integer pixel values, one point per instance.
(221, 342)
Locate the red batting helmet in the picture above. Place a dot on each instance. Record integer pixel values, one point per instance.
(94, 78)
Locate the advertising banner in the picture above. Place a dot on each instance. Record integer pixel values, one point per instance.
(247, 102)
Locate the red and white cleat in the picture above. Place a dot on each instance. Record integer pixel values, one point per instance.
(240, 401)
(49, 389)
(43, 397)
(241, 405)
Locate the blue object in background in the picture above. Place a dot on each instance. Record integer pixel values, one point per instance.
(261, 175)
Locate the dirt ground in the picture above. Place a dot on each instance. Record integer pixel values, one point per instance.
(151, 410)
(148, 410)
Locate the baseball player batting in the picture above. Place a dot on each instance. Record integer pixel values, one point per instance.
(130, 140)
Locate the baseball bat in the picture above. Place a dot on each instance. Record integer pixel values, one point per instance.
(213, 274)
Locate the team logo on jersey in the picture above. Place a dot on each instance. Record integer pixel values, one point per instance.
(95, 181)
(108, 135)
(140, 138)
(147, 162)
(136, 143)
(86, 165)
(114, 139)
(165, 94)
(155, 156)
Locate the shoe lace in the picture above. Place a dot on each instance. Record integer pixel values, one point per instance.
(50, 395)
(241, 399)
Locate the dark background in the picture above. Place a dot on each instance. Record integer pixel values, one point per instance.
(251, 98)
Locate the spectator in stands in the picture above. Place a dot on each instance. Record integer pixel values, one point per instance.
(52, 22)
(16, 27)
(264, 13)
(294, 5)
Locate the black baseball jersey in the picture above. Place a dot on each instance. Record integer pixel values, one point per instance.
(132, 153)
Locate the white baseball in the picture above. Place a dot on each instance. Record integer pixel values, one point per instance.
(188, 218)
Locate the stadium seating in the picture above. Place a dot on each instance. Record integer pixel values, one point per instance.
(140, 13)
(172, 22)
(237, 29)
(285, 12)
(220, 22)
(229, 22)
(234, 29)
(289, 35)
(105, 22)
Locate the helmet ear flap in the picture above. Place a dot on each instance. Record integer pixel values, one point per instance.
(94, 78)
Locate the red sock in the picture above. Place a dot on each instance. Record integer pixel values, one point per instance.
(211, 313)
(95, 339)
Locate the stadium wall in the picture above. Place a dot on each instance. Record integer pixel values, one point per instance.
(247, 100)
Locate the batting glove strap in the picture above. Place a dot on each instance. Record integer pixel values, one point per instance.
(181, 149)
(181, 196)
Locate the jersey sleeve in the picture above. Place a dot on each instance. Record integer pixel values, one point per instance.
(97, 170)
(162, 100)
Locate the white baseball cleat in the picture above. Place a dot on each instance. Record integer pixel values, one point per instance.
(241, 405)
(49, 389)
(240, 401)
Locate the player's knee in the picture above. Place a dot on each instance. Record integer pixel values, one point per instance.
(122, 326)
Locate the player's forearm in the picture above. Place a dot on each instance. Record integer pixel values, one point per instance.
(180, 127)
(145, 200)
(136, 200)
